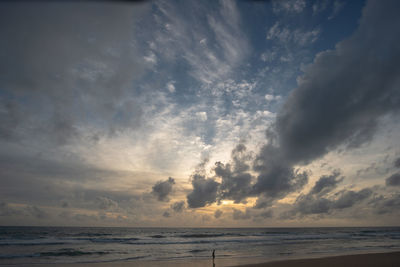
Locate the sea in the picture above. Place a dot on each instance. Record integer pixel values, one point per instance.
(55, 245)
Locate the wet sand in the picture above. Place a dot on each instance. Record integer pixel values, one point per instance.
(364, 260)
(391, 259)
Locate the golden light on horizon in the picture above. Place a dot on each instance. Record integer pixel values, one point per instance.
(226, 202)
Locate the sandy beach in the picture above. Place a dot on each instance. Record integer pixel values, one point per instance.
(365, 260)
(390, 259)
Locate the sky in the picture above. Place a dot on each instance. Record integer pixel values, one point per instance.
(200, 113)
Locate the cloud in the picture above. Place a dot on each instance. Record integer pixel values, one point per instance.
(386, 204)
(36, 212)
(349, 198)
(85, 218)
(209, 61)
(350, 92)
(393, 180)
(151, 58)
(6, 210)
(166, 214)
(218, 214)
(337, 6)
(105, 203)
(277, 176)
(235, 177)
(266, 214)
(396, 163)
(288, 6)
(171, 86)
(276, 179)
(240, 215)
(163, 188)
(202, 115)
(66, 60)
(319, 6)
(204, 191)
(268, 56)
(326, 183)
(311, 204)
(338, 102)
(178, 206)
(285, 35)
(270, 98)
(308, 204)
(41, 181)
(206, 218)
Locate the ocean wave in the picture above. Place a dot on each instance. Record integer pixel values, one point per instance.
(202, 241)
(197, 250)
(157, 236)
(121, 240)
(66, 252)
(32, 243)
(201, 235)
(274, 233)
(70, 252)
(92, 234)
(17, 256)
(208, 235)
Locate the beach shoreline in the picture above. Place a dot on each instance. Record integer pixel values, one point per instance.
(383, 259)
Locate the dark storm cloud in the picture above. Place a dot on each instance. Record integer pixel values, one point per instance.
(318, 201)
(61, 60)
(235, 178)
(277, 177)
(345, 92)
(326, 183)
(350, 198)
(311, 204)
(162, 189)
(236, 181)
(393, 180)
(386, 204)
(178, 206)
(204, 191)
(166, 214)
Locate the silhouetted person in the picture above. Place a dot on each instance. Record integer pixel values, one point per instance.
(213, 256)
